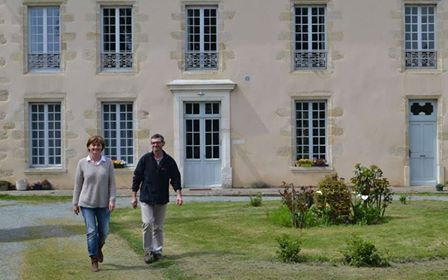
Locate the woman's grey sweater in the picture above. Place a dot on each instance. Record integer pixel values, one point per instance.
(94, 184)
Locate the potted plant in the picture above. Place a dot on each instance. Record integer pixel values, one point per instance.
(304, 162)
(439, 187)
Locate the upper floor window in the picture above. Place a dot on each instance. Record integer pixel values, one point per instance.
(45, 134)
(201, 38)
(311, 131)
(116, 38)
(420, 41)
(118, 131)
(44, 52)
(310, 37)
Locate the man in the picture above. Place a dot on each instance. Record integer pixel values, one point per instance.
(153, 174)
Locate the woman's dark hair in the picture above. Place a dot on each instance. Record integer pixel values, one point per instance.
(96, 140)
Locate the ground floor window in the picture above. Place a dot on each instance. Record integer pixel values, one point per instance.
(118, 131)
(311, 131)
(45, 134)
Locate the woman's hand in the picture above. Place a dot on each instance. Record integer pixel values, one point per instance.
(76, 209)
(111, 206)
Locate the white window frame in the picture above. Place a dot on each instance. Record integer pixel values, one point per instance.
(44, 60)
(420, 57)
(305, 122)
(44, 127)
(310, 58)
(118, 60)
(201, 59)
(121, 118)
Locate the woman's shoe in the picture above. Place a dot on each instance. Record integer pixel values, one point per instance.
(94, 267)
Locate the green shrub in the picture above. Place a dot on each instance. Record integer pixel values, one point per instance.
(298, 200)
(362, 253)
(369, 182)
(403, 199)
(334, 199)
(364, 214)
(313, 217)
(256, 200)
(289, 248)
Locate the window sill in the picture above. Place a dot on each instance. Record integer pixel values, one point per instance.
(44, 71)
(201, 71)
(316, 71)
(46, 171)
(423, 71)
(124, 170)
(312, 169)
(124, 71)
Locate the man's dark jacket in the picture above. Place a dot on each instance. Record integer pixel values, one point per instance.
(153, 180)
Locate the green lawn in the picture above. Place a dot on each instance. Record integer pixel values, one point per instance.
(236, 241)
(35, 198)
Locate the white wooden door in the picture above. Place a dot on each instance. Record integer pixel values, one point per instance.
(422, 141)
(202, 162)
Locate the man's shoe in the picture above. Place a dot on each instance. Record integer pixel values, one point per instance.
(157, 256)
(152, 257)
(148, 258)
(94, 267)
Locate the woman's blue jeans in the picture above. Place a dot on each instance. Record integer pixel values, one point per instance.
(97, 227)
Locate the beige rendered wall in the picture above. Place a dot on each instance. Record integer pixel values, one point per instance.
(365, 83)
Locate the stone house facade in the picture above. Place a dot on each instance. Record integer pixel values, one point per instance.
(241, 89)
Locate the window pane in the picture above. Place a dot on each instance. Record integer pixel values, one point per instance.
(45, 132)
(117, 131)
(419, 36)
(201, 38)
(310, 129)
(117, 38)
(43, 38)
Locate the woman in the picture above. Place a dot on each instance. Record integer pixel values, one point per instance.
(94, 196)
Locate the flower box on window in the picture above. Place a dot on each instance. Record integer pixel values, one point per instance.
(119, 163)
(319, 162)
(304, 162)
